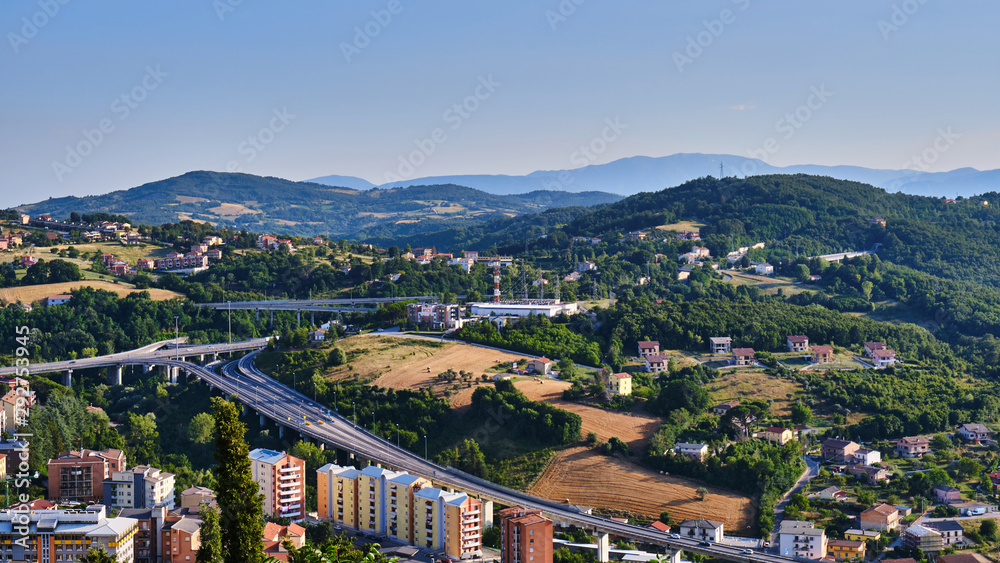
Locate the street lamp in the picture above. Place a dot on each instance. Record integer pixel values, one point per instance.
(397, 435)
(425, 446)
(175, 336)
(355, 409)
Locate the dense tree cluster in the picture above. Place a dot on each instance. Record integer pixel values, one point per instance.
(540, 423)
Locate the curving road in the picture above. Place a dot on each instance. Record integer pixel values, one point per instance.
(276, 401)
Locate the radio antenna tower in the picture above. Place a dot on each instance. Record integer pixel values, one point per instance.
(557, 290)
(496, 284)
(721, 173)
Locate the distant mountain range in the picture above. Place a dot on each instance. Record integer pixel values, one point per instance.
(629, 176)
(265, 204)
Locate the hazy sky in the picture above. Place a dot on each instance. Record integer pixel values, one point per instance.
(99, 96)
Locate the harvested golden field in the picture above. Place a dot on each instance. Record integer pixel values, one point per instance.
(738, 385)
(32, 293)
(130, 254)
(635, 429)
(582, 476)
(402, 363)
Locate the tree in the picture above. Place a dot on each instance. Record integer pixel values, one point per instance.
(801, 414)
(666, 518)
(201, 428)
(98, 555)
(988, 529)
(491, 537)
(211, 537)
(702, 492)
(143, 439)
(240, 503)
(337, 357)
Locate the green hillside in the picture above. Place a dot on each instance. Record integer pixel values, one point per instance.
(300, 208)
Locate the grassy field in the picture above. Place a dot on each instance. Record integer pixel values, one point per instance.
(753, 384)
(32, 293)
(770, 285)
(682, 226)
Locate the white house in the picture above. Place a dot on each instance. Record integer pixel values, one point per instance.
(974, 432)
(705, 530)
(764, 269)
(693, 451)
(867, 457)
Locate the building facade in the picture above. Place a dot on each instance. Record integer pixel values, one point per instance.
(79, 476)
(281, 479)
(525, 536)
(140, 487)
(53, 536)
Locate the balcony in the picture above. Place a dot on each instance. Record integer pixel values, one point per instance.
(288, 469)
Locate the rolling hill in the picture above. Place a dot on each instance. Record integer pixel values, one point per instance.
(264, 204)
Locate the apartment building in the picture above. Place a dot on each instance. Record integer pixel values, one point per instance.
(402, 506)
(401, 491)
(180, 538)
(140, 487)
(448, 522)
(79, 476)
(525, 536)
(337, 494)
(800, 539)
(147, 536)
(193, 498)
(57, 536)
(281, 479)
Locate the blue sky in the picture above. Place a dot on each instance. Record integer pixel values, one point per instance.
(295, 90)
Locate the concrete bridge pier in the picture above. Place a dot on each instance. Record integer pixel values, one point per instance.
(263, 421)
(215, 356)
(201, 359)
(281, 431)
(672, 556)
(298, 319)
(68, 378)
(164, 371)
(603, 547)
(257, 313)
(147, 367)
(272, 318)
(322, 447)
(312, 318)
(115, 375)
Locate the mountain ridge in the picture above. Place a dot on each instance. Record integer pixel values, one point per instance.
(635, 174)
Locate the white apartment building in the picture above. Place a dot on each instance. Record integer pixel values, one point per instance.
(800, 539)
(57, 536)
(140, 487)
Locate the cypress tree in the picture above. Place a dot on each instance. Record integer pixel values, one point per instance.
(241, 505)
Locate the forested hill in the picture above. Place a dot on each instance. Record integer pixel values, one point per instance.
(264, 204)
(793, 215)
(814, 215)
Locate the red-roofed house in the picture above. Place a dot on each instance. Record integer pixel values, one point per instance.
(649, 348)
(870, 348)
(620, 384)
(822, 354)
(743, 356)
(660, 526)
(656, 363)
(797, 343)
(541, 365)
(275, 536)
(883, 358)
(778, 435)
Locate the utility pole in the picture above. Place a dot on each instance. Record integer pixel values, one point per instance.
(230, 304)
